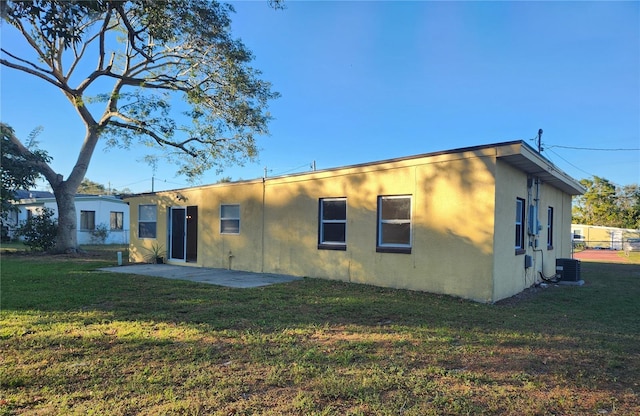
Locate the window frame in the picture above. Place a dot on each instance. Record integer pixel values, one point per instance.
(381, 246)
(549, 228)
(324, 244)
(227, 218)
(520, 226)
(148, 221)
(116, 217)
(87, 220)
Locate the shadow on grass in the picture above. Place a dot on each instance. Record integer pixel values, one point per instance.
(606, 305)
(346, 343)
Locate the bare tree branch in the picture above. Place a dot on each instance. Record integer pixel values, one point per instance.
(140, 129)
(131, 32)
(37, 73)
(79, 56)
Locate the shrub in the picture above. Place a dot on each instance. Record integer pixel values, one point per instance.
(39, 231)
(99, 234)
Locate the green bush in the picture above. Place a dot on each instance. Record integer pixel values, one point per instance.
(99, 234)
(39, 231)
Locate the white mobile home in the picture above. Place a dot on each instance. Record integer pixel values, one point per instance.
(93, 212)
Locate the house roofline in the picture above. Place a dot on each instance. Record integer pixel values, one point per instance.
(78, 197)
(515, 152)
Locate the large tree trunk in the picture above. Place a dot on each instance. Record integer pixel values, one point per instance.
(65, 193)
(67, 238)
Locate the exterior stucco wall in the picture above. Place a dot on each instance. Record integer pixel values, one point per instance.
(140, 248)
(509, 271)
(463, 222)
(511, 276)
(214, 248)
(452, 240)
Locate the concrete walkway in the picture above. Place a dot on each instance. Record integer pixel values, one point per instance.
(221, 277)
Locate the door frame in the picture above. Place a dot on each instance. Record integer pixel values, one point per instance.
(190, 233)
(170, 234)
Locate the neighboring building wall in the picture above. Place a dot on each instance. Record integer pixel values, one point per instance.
(593, 236)
(25, 210)
(101, 206)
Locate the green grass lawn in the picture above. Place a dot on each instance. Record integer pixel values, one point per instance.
(12, 246)
(74, 340)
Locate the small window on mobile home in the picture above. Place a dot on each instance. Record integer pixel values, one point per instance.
(116, 220)
(87, 220)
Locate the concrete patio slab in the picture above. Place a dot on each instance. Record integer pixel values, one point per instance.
(220, 277)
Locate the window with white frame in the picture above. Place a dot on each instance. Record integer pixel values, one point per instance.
(87, 220)
(116, 220)
(577, 234)
(520, 226)
(332, 232)
(147, 221)
(394, 224)
(549, 228)
(229, 219)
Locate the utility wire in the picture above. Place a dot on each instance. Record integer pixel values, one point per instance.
(592, 148)
(580, 169)
(292, 169)
(147, 180)
(129, 184)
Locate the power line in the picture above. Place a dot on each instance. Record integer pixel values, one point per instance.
(148, 179)
(133, 183)
(580, 169)
(311, 165)
(593, 148)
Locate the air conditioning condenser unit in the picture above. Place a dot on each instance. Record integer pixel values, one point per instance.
(568, 270)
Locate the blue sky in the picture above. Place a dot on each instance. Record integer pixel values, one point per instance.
(366, 81)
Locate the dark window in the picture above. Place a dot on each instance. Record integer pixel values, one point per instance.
(116, 219)
(394, 224)
(520, 205)
(87, 220)
(333, 224)
(550, 227)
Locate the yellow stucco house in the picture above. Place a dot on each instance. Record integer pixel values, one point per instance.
(479, 222)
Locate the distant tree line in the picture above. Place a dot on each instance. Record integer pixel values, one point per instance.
(606, 204)
(87, 186)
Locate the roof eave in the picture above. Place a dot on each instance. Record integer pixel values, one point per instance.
(525, 158)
